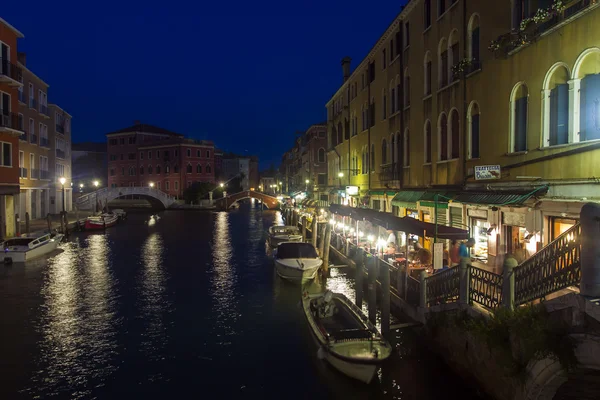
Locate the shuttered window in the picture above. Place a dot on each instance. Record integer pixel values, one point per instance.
(475, 136)
(590, 107)
(559, 115)
(456, 217)
(475, 44)
(520, 140)
(442, 218)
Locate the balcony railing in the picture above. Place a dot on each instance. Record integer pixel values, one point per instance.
(44, 110)
(60, 128)
(10, 120)
(33, 138)
(389, 172)
(44, 174)
(10, 72)
(22, 172)
(23, 136)
(34, 173)
(32, 103)
(44, 142)
(22, 97)
(60, 153)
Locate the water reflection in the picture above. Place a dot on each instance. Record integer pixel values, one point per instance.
(153, 301)
(77, 321)
(223, 277)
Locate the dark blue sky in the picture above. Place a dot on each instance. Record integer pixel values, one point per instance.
(244, 74)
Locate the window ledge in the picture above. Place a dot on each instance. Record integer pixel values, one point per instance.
(427, 164)
(474, 159)
(394, 60)
(559, 146)
(427, 29)
(407, 108)
(429, 96)
(516, 153)
(406, 47)
(394, 114)
(470, 74)
(406, 167)
(447, 161)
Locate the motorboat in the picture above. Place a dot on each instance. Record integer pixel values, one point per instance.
(346, 338)
(120, 213)
(26, 248)
(102, 221)
(279, 234)
(296, 261)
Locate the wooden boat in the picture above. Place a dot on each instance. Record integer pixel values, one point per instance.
(101, 221)
(345, 336)
(26, 248)
(279, 234)
(296, 261)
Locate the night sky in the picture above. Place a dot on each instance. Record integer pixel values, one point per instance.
(247, 75)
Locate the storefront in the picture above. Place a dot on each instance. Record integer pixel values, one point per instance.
(559, 225)
(517, 240)
(481, 230)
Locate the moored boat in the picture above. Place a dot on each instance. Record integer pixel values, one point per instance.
(101, 221)
(279, 234)
(296, 261)
(346, 338)
(26, 248)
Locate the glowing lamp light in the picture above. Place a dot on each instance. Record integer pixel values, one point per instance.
(62, 180)
(381, 243)
(96, 183)
(221, 184)
(322, 211)
(370, 238)
(341, 175)
(279, 198)
(81, 185)
(332, 221)
(151, 184)
(360, 234)
(307, 181)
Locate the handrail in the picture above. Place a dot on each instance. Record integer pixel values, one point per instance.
(443, 287)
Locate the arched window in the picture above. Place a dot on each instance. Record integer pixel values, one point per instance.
(321, 155)
(392, 97)
(406, 88)
(474, 42)
(406, 139)
(167, 169)
(427, 141)
(398, 93)
(473, 125)
(198, 168)
(586, 86)
(518, 107)
(167, 185)
(208, 169)
(442, 63)
(443, 137)
(149, 169)
(555, 106)
(340, 133)
(399, 150)
(384, 103)
(372, 157)
(158, 169)
(427, 72)
(393, 155)
(333, 136)
(188, 168)
(383, 152)
(142, 170)
(372, 114)
(346, 129)
(454, 134)
(176, 168)
(453, 55)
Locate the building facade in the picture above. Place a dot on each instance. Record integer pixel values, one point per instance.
(246, 167)
(491, 124)
(89, 163)
(11, 125)
(144, 155)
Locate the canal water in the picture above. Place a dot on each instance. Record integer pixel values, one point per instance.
(186, 305)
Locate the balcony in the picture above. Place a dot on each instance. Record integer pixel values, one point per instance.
(23, 136)
(44, 142)
(60, 154)
(60, 128)
(44, 111)
(32, 104)
(22, 97)
(22, 172)
(44, 174)
(33, 138)
(10, 74)
(34, 173)
(9, 122)
(389, 172)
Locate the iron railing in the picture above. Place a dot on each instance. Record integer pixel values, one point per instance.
(10, 120)
(44, 174)
(413, 291)
(485, 287)
(60, 128)
(389, 172)
(22, 172)
(23, 136)
(34, 173)
(44, 110)
(22, 97)
(553, 268)
(44, 142)
(10, 70)
(33, 138)
(443, 287)
(60, 153)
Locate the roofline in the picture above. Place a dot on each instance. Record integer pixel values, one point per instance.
(401, 15)
(145, 133)
(12, 28)
(33, 73)
(60, 108)
(156, 146)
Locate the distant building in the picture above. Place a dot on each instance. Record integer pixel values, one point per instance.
(89, 162)
(218, 164)
(141, 155)
(246, 167)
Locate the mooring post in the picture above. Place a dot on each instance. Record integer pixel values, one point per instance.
(384, 277)
(27, 223)
(423, 291)
(589, 240)
(327, 245)
(315, 230)
(347, 247)
(17, 225)
(66, 223)
(322, 239)
(358, 278)
(48, 220)
(371, 293)
(463, 274)
(303, 223)
(62, 224)
(400, 280)
(508, 283)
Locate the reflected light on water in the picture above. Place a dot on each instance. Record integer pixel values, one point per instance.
(223, 277)
(278, 218)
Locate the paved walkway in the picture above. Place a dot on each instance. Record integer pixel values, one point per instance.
(41, 224)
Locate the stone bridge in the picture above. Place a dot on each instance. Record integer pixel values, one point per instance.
(226, 202)
(101, 196)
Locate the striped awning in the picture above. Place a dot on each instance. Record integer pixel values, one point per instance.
(498, 198)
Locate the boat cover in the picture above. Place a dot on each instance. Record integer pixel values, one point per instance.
(296, 250)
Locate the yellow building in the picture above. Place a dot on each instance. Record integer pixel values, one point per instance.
(492, 105)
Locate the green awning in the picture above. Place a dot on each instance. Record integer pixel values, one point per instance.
(440, 204)
(407, 198)
(494, 198)
(381, 193)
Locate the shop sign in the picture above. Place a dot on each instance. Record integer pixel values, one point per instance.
(483, 172)
(352, 190)
(438, 255)
(472, 212)
(513, 219)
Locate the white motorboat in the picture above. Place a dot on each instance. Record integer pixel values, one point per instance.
(26, 248)
(297, 261)
(346, 338)
(279, 234)
(101, 221)
(120, 213)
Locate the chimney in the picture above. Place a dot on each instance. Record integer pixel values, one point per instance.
(346, 67)
(22, 58)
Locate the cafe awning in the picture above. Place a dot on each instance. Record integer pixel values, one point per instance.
(498, 198)
(409, 198)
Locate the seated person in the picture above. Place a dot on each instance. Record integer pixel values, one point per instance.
(423, 256)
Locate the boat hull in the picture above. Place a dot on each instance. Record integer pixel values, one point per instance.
(97, 223)
(18, 256)
(295, 274)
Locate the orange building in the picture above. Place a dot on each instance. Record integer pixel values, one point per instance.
(11, 125)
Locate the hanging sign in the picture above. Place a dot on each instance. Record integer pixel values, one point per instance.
(352, 190)
(438, 255)
(483, 172)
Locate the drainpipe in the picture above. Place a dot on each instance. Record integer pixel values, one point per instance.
(369, 130)
(465, 104)
(400, 105)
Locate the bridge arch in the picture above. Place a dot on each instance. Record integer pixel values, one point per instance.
(225, 202)
(89, 200)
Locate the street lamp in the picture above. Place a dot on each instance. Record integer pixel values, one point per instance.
(151, 184)
(306, 186)
(96, 183)
(62, 181)
(81, 188)
(222, 184)
(341, 175)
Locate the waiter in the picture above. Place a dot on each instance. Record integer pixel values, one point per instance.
(391, 238)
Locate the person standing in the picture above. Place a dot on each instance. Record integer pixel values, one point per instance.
(453, 253)
(392, 237)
